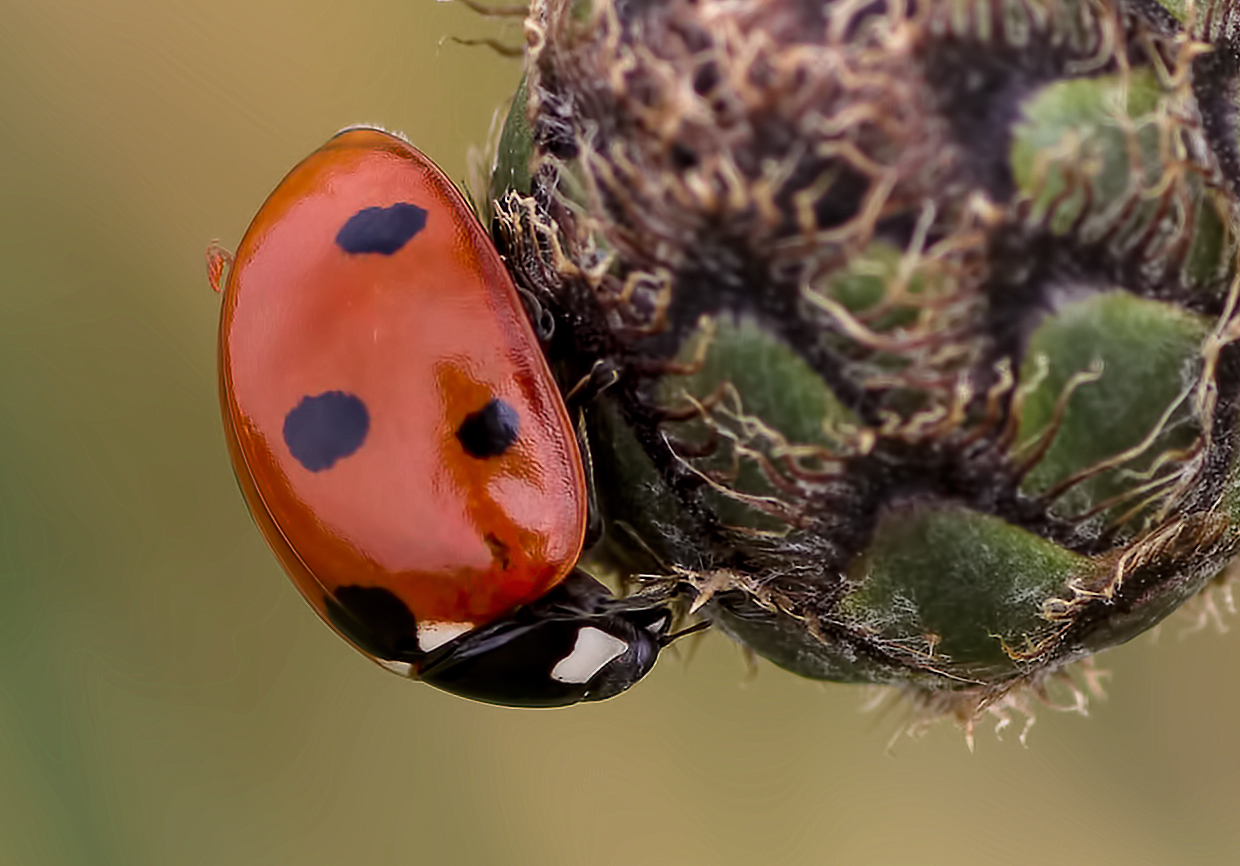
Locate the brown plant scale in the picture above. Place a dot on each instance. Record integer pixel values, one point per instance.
(902, 333)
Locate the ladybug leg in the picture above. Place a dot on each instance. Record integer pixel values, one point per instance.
(594, 516)
(541, 319)
(219, 263)
(602, 376)
(500, 48)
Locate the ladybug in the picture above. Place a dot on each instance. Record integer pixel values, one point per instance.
(401, 442)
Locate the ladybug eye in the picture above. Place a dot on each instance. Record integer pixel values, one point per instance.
(490, 431)
(321, 430)
(381, 230)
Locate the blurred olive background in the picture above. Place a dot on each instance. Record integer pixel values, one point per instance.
(165, 696)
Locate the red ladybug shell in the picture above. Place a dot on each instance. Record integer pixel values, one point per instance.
(390, 416)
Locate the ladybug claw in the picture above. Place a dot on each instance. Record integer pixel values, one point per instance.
(219, 263)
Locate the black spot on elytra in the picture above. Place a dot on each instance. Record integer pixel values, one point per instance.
(375, 620)
(381, 229)
(321, 430)
(490, 431)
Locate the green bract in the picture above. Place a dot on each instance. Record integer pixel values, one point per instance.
(907, 329)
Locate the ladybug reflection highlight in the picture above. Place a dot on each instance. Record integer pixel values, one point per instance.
(401, 442)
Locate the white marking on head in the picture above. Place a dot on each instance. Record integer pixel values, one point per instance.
(592, 652)
(432, 635)
(403, 669)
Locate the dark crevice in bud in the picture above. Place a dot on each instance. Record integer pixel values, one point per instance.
(1215, 471)
(981, 88)
(937, 472)
(1215, 86)
(1030, 276)
(1155, 583)
(1033, 272)
(644, 419)
(1155, 15)
(841, 637)
(869, 12)
(806, 338)
(724, 273)
(553, 131)
(841, 204)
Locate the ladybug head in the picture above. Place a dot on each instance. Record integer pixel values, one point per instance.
(576, 643)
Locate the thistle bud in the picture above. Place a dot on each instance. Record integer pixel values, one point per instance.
(911, 323)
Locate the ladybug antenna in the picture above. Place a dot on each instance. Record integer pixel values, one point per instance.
(684, 632)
